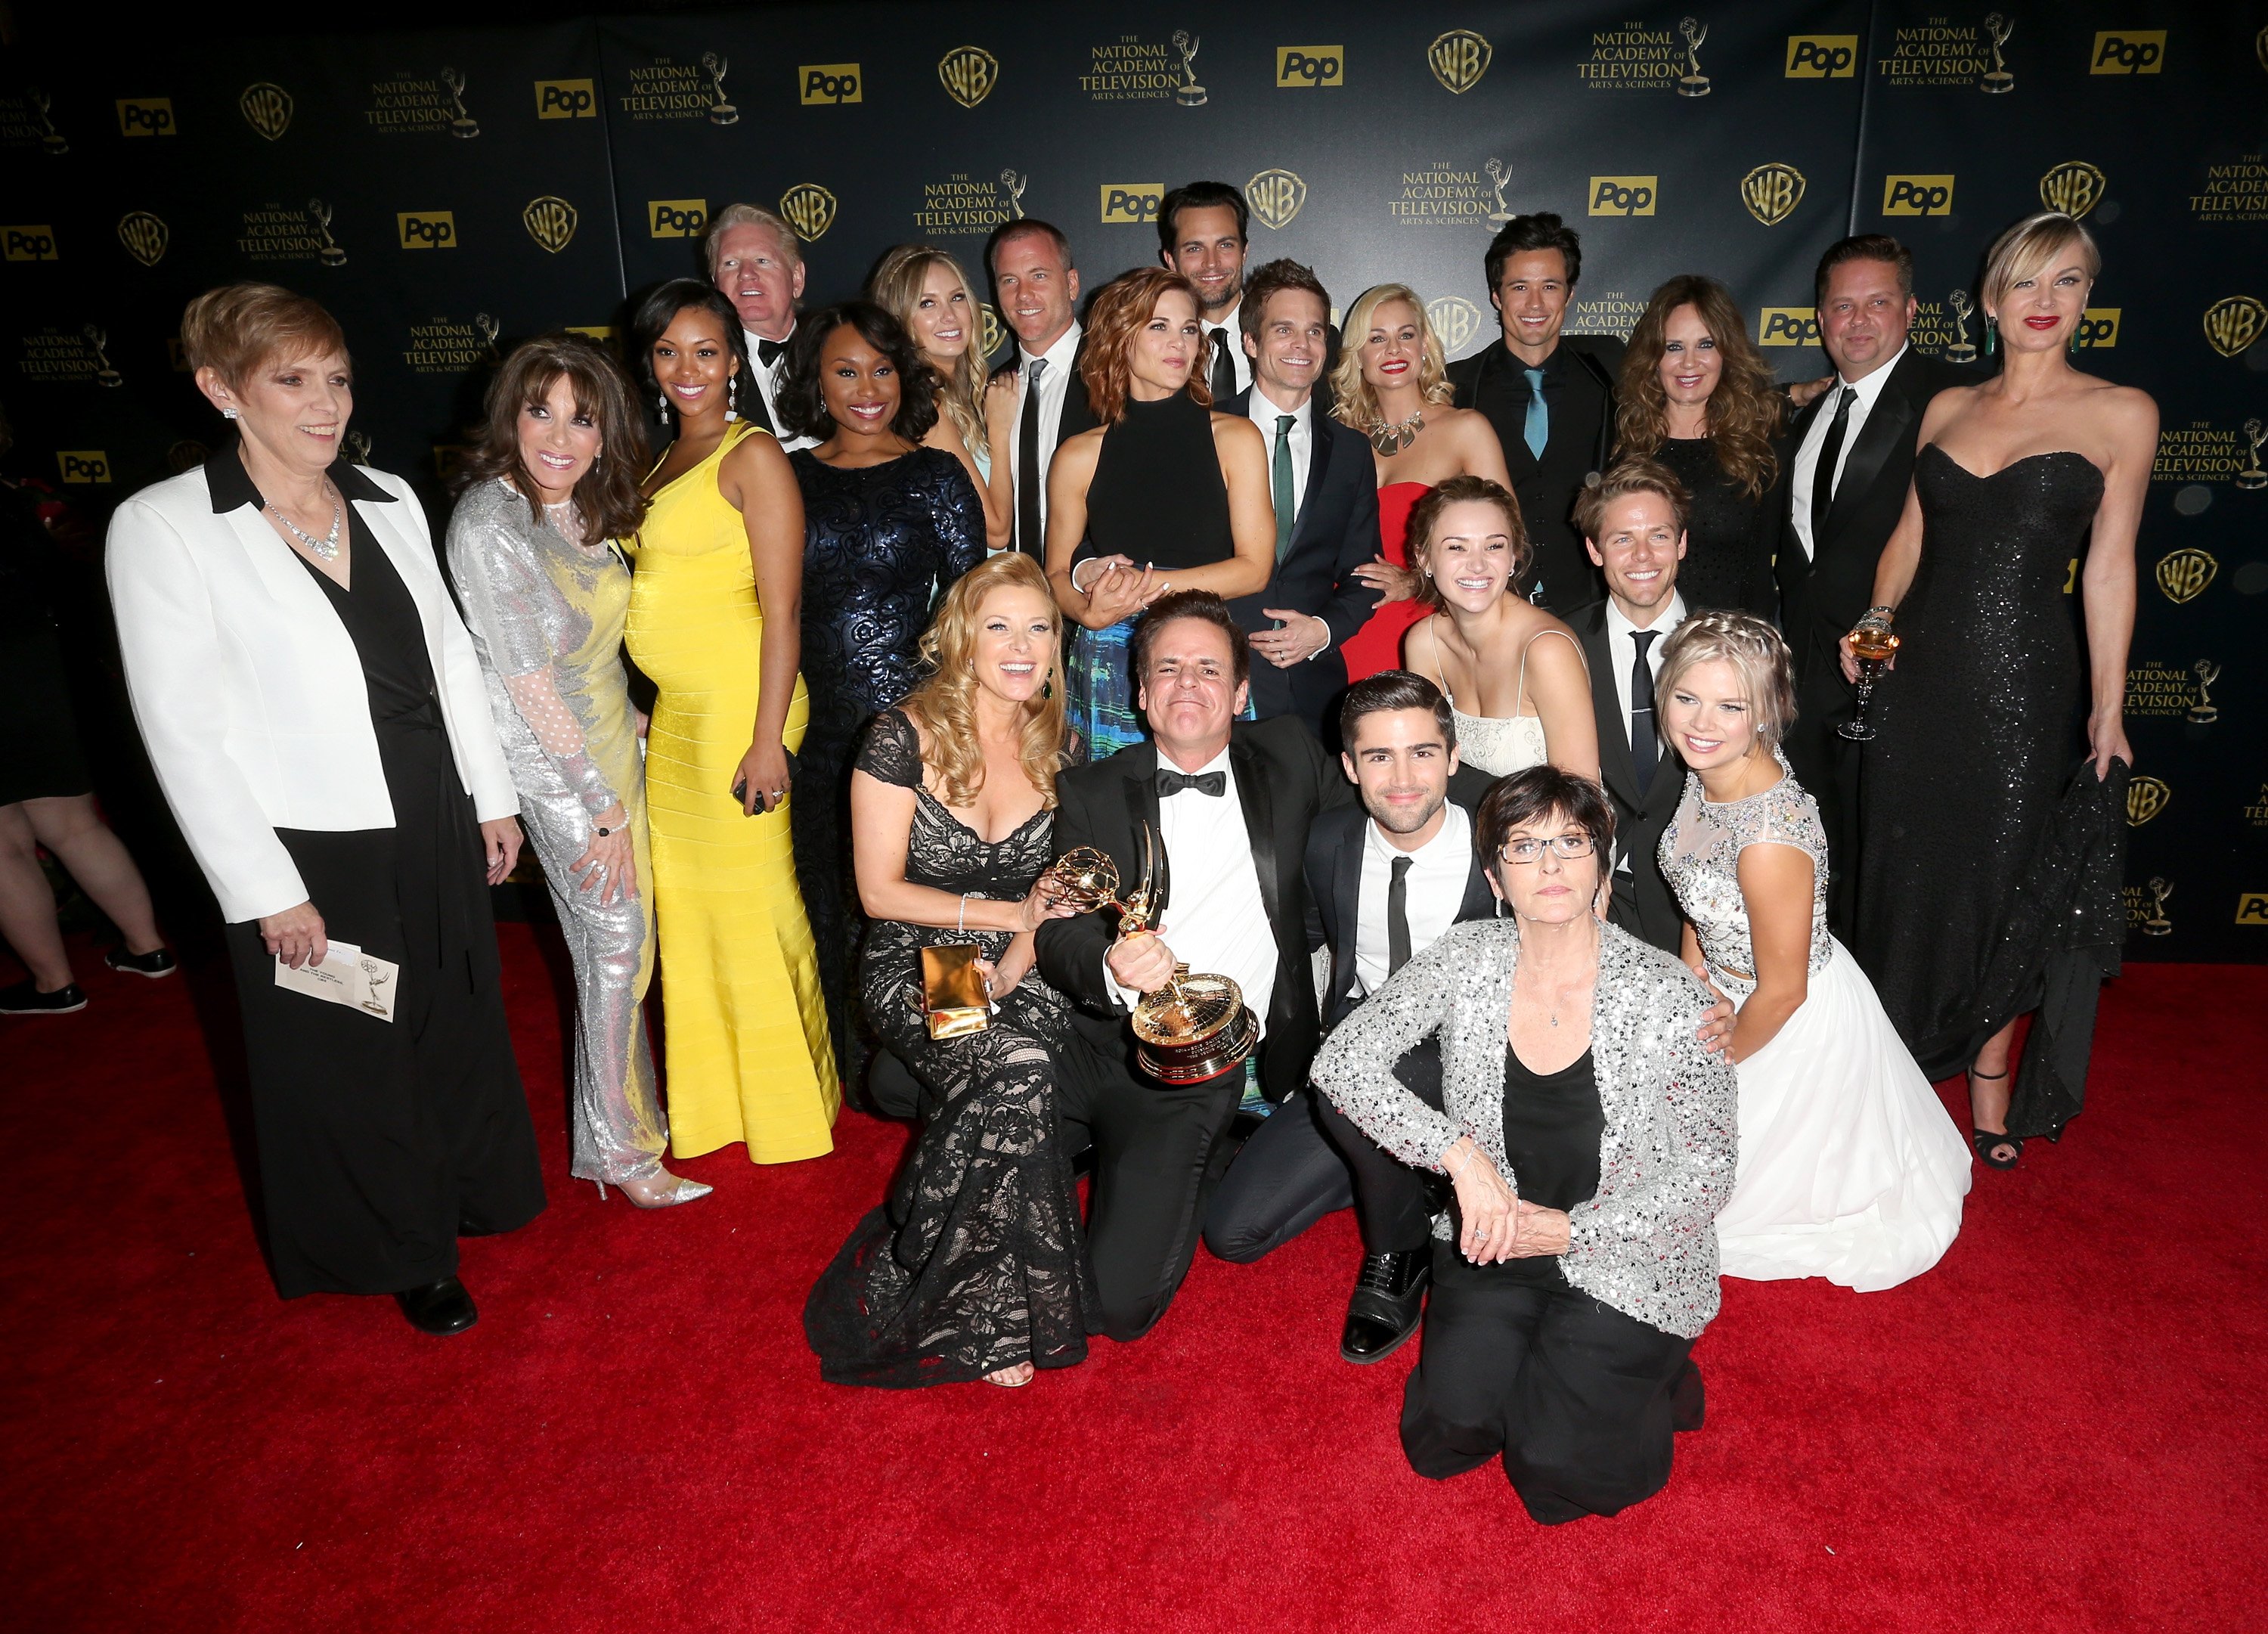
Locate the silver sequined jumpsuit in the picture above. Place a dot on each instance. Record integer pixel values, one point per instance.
(547, 615)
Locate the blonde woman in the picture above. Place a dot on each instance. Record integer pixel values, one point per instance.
(925, 289)
(1392, 385)
(1850, 1169)
(976, 1268)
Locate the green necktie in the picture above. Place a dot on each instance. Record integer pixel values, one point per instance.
(1280, 484)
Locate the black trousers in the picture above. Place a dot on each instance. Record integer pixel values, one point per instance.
(1579, 1400)
(1309, 1160)
(1157, 1154)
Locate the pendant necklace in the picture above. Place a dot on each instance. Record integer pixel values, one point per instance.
(327, 546)
(1391, 440)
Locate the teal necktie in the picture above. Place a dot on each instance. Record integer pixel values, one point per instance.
(1537, 431)
(1280, 484)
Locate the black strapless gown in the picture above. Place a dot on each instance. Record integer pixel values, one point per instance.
(1964, 790)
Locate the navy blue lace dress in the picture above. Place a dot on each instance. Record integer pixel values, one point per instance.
(881, 544)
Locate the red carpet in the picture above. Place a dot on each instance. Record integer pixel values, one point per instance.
(2064, 1426)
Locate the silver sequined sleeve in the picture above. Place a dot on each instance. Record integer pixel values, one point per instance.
(1355, 1066)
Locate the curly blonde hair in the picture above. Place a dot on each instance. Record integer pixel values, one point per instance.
(1758, 655)
(1744, 413)
(1354, 403)
(945, 700)
(896, 288)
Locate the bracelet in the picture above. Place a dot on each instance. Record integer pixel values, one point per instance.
(1887, 616)
(603, 833)
(960, 924)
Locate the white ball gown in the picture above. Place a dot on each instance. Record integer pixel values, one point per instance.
(1850, 1168)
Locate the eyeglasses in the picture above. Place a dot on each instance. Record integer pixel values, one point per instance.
(1565, 847)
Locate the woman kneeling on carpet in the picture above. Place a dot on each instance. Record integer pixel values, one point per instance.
(1591, 1138)
(975, 1268)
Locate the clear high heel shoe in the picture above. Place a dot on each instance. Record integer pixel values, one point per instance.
(665, 1190)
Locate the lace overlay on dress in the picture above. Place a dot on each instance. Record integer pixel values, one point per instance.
(1701, 858)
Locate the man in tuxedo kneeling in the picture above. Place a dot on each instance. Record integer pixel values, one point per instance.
(1231, 802)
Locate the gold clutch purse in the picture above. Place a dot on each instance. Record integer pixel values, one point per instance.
(953, 991)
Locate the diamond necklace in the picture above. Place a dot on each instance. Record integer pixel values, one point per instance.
(327, 546)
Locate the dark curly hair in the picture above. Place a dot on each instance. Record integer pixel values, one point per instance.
(660, 309)
(608, 494)
(801, 402)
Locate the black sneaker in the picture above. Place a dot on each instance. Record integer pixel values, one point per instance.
(153, 964)
(26, 999)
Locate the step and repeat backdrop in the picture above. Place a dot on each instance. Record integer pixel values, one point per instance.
(449, 193)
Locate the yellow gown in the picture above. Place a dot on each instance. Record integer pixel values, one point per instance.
(744, 1021)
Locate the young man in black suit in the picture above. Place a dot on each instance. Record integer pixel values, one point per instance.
(1326, 501)
(1633, 526)
(1854, 458)
(1387, 877)
(1233, 802)
(1550, 396)
(1035, 287)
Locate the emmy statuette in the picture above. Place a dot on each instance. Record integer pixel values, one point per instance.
(1998, 79)
(1963, 349)
(2253, 478)
(2204, 711)
(1693, 82)
(1190, 94)
(721, 111)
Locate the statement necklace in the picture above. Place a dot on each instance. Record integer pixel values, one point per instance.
(1391, 440)
(327, 546)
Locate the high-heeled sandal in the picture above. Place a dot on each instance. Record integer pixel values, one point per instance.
(1985, 1140)
(680, 1189)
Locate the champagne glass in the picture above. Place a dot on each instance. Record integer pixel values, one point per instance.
(1872, 644)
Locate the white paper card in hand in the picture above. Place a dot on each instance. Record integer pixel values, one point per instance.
(347, 976)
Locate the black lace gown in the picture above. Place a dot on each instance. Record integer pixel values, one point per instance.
(976, 1262)
(881, 544)
(1730, 535)
(1984, 856)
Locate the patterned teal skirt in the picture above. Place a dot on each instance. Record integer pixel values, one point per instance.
(1099, 693)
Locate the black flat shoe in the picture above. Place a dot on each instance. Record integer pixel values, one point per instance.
(153, 965)
(26, 999)
(1389, 1297)
(438, 1308)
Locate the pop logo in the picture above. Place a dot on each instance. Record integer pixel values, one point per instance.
(1308, 68)
(830, 85)
(29, 243)
(1787, 325)
(2128, 51)
(146, 116)
(1917, 195)
(2252, 907)
(566, 99)
(427, 230)
(84, 464)
(2098, 326)
(1821, 56)
(1624, 195)
(1131, 204)
(676, 218)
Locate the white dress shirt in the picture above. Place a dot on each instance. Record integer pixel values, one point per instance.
(1264, 414)
(1054, 384)
(1238, 360)
(1439, 871)
(1622, 653)
(1216, 920)
(1865, 393)
(768, 383)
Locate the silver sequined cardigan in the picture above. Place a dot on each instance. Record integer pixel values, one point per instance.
(1646, 1243)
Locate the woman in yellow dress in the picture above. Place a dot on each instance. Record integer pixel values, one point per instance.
(713, 623)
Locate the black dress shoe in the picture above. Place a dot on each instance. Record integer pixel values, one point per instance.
(442, 1306)
(1390, 1296)
(1688, 1402)
(26, 999)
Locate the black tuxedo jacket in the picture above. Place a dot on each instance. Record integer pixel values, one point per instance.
(1078, 413)
(1283, 780)
(1586, 367)
(1334, 848)
(1646, 907)
(1824, 593)
(1337, 533)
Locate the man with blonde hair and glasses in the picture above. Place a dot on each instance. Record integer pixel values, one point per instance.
(756, 264)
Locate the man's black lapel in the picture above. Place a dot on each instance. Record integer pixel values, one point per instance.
(1259, 827)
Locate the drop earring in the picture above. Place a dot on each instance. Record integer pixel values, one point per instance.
(662, 400)
(1048, 687)
(1991, 336)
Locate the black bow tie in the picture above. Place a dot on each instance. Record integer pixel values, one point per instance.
(767, 352)
(1171, 783)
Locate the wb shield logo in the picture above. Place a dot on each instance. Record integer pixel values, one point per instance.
(1456, 319)
(1917, 195)
(1787, 325)
(1624, 195)
(2231, 324)
(551, 222)
(2128, 51)
(427, 230)
(145, 236)
(29, 243)
(83, 465)
(1309, 68)
(2098, 327)
(1131, 204)
(566, 99)
(2145, 797)
(267, 108)
(1821, 56)
(676, 218)
(809, 208)
(830, 85)
(1275, 196)
(146, 116)
(1458, 59)
(1771, 192)
(2074, 187)
(2184, 574)
(968, 74)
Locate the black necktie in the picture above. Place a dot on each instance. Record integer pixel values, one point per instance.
(1224, 368)
(1822, 475)
(767, 352)
(1646, 744)
(1029, 478)
(1397, 916)
(1171, 783)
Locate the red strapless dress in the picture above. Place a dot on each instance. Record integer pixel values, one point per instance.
(1377, 645)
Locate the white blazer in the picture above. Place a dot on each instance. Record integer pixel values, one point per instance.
(247, 688)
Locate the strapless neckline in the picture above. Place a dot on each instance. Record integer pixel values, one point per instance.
(2054, 454)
